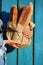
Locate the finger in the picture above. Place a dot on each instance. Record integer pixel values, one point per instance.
(18, 45)
(15, 46)
(32, 25)
(27, 31)
(28, 36)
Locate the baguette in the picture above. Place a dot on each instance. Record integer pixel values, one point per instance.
(20, 9)
(11, 26)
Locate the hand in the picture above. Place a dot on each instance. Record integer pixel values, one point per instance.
(28, 32)
(12, 43)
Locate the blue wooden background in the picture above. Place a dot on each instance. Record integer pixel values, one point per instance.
(25, 55)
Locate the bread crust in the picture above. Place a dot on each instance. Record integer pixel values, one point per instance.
(13, 14)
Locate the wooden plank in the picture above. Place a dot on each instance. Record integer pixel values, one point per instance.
(25, 55)
(0, 5)
(38, 44)
(11, 53)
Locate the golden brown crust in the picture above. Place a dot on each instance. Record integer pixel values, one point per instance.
(13, 14)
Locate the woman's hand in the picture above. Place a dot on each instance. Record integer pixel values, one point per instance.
(28, 32)
(12, 43)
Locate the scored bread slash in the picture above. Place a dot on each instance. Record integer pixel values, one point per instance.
(23, 22)
(11, 26)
